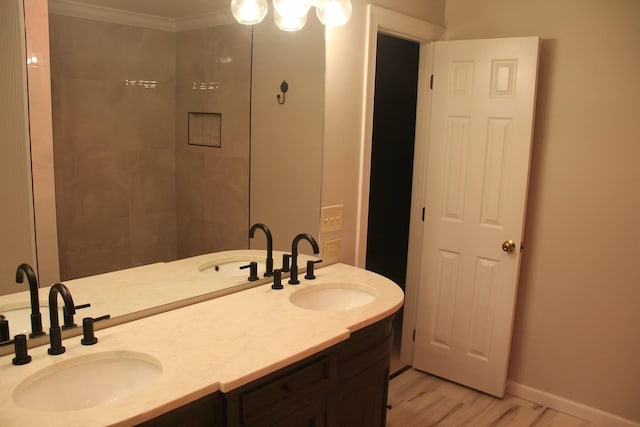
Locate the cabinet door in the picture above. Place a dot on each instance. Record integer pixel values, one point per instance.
(362, 398)
(363, 377)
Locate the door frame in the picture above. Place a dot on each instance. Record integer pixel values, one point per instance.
(406, 27)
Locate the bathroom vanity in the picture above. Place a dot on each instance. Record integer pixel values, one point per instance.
(345, 385)
(310, 354)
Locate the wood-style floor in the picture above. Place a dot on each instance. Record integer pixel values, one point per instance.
(421, 400)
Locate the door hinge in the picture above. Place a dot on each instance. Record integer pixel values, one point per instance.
(414, 335)
(423, 212)
(431, 82)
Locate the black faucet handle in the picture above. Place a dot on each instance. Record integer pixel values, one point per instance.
(68, 317)
(88, 332)
(253, 271)
(4, 329)
(20, 348)
(277, 279)
(310, 274)
(286, 261)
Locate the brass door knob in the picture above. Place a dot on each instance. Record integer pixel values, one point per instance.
(508, 245)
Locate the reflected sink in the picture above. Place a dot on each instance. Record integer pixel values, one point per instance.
(20, 319)
(232, 268)
(333, 296)
(87, 381)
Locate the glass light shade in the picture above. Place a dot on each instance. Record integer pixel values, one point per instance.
(292, 8)
(290, 23)
(249, 12)
(334, 12)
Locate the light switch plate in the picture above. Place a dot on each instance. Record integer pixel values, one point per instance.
(331, 218)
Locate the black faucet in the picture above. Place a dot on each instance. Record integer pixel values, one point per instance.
(293, 277)
(55, 337)
(36, 317)
(267, 233)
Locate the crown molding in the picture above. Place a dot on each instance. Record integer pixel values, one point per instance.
(204, 21)
(78, 9)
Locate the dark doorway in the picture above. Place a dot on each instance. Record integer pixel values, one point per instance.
(394, 122)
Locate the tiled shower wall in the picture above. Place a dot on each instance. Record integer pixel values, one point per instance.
(213, 183)
(122, 164)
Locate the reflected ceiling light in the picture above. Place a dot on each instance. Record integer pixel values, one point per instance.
(289, 22)
(249, 12)
(292, 8)
(291, 15)
(334, 13)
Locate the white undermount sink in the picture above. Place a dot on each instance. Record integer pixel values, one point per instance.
(333, 296)
(87, 381)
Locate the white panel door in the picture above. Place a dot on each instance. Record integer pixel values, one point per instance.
(478, 168)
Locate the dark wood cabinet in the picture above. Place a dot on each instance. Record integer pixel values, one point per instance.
(208, 411)
(294, 396)
(363, 377)
(362, 400)
(344, 386)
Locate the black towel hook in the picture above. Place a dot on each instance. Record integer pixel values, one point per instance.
(284, 87)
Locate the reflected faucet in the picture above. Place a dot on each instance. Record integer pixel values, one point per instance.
(293, 278)
(267, 233)
(55, 335)
(36, 317)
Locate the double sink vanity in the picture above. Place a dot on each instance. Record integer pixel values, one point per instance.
(316, 353)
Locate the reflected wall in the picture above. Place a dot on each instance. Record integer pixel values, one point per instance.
(130, 189)
(16, 227)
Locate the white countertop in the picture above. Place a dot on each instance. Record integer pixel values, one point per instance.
(140, 291)
(218, 344)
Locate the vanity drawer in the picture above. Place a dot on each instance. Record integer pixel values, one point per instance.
(309, 381)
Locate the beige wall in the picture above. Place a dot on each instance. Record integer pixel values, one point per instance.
(576, 332)
(286, 140)
(577, 328)
(345, 55)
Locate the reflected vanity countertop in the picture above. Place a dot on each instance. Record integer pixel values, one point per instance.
(156, 287)
(219, 344)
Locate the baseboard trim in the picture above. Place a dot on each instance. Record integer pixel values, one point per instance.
(569, 407)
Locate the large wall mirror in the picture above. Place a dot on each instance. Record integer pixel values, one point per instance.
(168, 137)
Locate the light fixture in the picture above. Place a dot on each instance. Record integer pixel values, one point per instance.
(291, 15)
(289, 22)
(249, 12)
(334, 13)
(292, 8)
